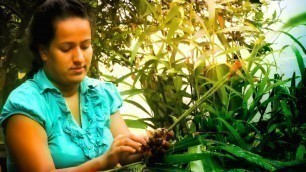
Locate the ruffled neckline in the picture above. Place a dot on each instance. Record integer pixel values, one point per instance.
(89, 139)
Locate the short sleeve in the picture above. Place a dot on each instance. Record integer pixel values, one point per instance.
(23, 100)
(114, 97)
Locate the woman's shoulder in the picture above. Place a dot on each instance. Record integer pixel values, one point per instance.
(28, 89)
(26, 100)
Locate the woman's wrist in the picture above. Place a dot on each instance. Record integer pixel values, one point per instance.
(131, 159)
(108, 161)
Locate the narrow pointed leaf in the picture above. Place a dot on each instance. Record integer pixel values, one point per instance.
(253, 158)
(135, 123)
(137, 105)
(235, 134)
(300, 152)
(185, 158)
(185, 144)
(299, 59)
(296, 20)
(295, 40)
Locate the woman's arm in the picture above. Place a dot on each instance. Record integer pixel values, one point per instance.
(118, 125)
(28, 144)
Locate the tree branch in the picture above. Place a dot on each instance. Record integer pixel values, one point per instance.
(12, 9)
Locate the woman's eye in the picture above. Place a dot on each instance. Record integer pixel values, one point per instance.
(85, 47)
(65, 49)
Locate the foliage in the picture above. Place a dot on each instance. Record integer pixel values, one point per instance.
(295, 21)
(15, 17)
(179, 51)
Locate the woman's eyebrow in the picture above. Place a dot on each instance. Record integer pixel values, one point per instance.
(87, 40)
(72, 43)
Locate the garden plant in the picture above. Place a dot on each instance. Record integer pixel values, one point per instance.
(207, 72)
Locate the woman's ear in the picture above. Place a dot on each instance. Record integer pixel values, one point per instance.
(42, 52)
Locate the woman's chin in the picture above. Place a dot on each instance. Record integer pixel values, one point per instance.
(77, 79)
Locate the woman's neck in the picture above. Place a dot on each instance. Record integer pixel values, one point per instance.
(68, 91)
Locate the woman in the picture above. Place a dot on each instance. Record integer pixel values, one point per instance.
(62, 120)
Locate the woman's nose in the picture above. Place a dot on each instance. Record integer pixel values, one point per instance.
(78, 55)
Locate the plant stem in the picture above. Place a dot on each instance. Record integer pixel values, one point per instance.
(200, 100)
(233, 69)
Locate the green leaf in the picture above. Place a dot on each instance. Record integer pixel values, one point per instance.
(173, 27)
(196, 165)
(137, 105)
(135, 123)
(276, 84)
(172, 13)
(163, 168)
(151, 8)
(131, 92)
(239, 28)
(256, 1)
(286, 109)
(258, 45)
(212, 15)
(136, 48)
(178, 83)
(296, 165)
(272, 128)
(259, 15)
(256, 159)
(199, 66)
(231, 50)
(299, 59)
(121, 79)
(185, 158)
(145, 7)
(295, 40)
(208, 163)
(296, 20)
(209, 108)
(185, 144)
(300, 152)
(274, 15)
(137, 166)
(235, 134)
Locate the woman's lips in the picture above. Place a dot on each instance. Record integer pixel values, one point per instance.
(78, 70)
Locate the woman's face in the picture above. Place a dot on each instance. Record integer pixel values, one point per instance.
(67, 59)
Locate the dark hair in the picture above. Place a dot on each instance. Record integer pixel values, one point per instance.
(42, 28)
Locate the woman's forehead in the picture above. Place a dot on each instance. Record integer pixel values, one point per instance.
(72, 28)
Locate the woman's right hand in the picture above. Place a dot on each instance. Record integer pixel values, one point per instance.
(123, 147)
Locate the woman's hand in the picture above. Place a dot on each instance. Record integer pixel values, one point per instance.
(125, 149)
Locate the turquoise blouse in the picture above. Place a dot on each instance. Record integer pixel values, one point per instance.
(69, 144)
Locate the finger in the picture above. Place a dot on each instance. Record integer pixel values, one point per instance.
(131, 143)
(130, 140)
(139, 139)
(118, 139)
(122, 149)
